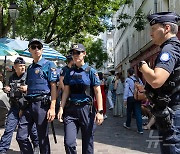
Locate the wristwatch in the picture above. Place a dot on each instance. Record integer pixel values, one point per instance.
(141, 63)
(100, 111)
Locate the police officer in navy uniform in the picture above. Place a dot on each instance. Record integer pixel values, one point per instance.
(16, 90)
(163, 87)
(81, 82)
(63, 71)
(41, 95)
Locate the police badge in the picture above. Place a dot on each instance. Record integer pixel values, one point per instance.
(37, 71)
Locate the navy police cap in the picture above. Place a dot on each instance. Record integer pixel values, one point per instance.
(34, 41)
(78, 47)
(19, 60)
(162, 17)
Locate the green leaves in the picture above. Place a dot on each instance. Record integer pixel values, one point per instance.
(60, 22)
(96, 54)
(140, 20)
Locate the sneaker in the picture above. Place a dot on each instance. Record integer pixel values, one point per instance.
(105, 116)
(124, 125)
(141, 132)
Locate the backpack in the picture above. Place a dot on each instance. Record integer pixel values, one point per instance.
(139, 91)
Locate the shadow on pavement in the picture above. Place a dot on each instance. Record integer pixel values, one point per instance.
(113, 133)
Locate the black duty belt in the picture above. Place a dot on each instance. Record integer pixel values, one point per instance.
(38, 98)
(80, 103)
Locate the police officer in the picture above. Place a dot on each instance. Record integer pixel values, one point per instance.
(41, 94)
(63, 71)
(70, 63)
(80, 83)
(163, 87)
(16, 90)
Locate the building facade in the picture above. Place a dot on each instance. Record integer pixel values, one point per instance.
(132, 46)
(107, 38)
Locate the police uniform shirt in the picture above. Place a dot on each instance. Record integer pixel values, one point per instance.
(47, 71)
(64, 70)
(167, 59)
(93, 76)
(14, 78)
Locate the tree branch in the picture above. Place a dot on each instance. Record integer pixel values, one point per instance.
(52, 25)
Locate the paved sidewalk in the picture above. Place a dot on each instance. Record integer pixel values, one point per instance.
(110, 138)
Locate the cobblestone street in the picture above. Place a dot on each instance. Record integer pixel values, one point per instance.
(110, 138)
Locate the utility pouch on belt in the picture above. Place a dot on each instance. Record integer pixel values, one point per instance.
(46, 100)
(163, 118)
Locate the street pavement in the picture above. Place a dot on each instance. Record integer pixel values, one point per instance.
(110, 138)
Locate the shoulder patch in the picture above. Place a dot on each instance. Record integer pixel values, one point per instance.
(165, 57)
(71, 73)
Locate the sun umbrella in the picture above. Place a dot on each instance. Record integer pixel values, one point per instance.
(21, 47)
(7, 51)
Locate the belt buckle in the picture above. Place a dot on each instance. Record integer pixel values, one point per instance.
(77, 104)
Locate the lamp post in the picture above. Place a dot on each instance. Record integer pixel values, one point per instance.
(14, 14)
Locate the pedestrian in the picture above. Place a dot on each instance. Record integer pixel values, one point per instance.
(119, 108)
(163, 88)
(41, 95)
(102, 85)
(110, 85)
(16, 90)
(81, 82)
(132, 104)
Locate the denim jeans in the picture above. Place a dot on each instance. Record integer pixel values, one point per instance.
(11, 124)
(134, 106)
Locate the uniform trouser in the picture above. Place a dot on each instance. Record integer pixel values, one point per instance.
(170, 140)
(109, 97)
(76, 117)
(35, 113)
(133, 105)
(11, 124)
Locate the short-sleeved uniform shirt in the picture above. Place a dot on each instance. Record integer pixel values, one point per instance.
(76, 73)
(64, 71)
(168, 58)
(43, 71)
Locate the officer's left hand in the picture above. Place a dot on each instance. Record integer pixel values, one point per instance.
(50, 115)
(23, 88)
(99, 118)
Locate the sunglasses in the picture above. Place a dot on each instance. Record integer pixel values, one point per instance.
(36, 46)
(76, 52)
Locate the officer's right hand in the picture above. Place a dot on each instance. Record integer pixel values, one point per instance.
(60, 113)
